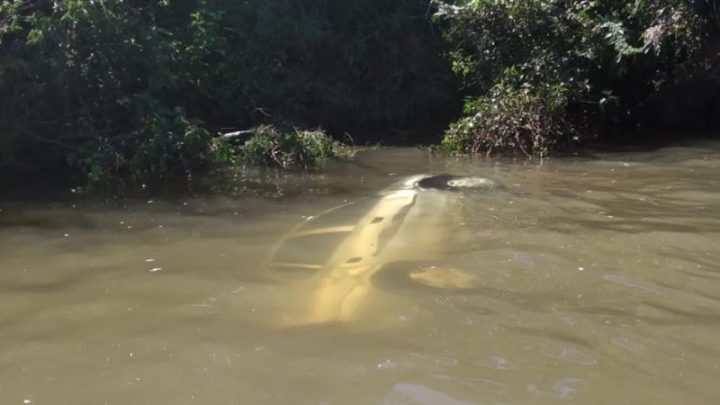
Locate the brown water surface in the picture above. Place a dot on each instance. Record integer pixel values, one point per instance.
(578, 280)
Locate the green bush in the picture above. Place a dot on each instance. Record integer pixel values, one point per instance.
(168, 146)
(269, 146)
(138, 90)
(173, 146)
(509, 119)
(82, 77)
(540, 69)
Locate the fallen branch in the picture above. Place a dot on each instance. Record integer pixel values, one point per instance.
(237, 136)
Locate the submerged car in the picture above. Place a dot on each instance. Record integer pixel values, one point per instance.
(339, 256)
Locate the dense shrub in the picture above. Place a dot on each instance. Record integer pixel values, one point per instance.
(173, 146)
(140, 90)
(509, 119)
(91, 81)
(168, 146)
(87, 74)
(342, 64)
(288, 149)
(540, 68)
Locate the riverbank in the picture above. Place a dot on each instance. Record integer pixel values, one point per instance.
(125, 93)
(253, 181)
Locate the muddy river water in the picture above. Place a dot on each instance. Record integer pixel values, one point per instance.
(591, 279)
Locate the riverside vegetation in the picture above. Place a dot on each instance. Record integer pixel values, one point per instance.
(132, 92)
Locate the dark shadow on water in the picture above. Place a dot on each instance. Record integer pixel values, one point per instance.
(554, 335)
